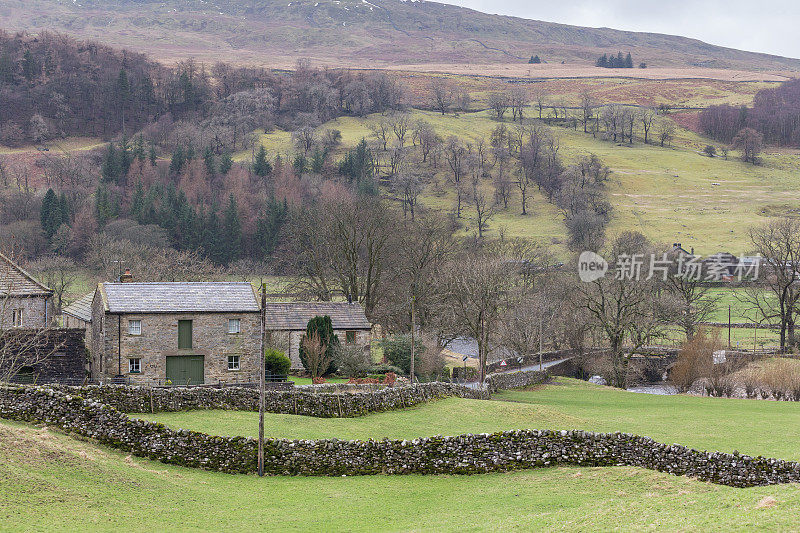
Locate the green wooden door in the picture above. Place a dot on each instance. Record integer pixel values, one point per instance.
(185, 369)
(184, 334)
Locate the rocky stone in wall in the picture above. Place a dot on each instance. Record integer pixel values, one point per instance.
(294, 401)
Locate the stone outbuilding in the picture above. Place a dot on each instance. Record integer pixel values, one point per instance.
(185, 333)
(286, 324)
(45, 355)
(78, 315)
(24, 301)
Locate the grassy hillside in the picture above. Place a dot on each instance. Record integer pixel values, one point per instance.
(702, 423)
(378, 32)
(671, 194)
(52, 482)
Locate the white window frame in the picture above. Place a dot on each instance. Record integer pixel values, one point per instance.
(234, 326)
(135, 327)
(17, 318)
(135, 367)
(234, 362)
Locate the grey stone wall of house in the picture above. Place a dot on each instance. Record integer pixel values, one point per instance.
(37, 311)
(462, 454)
(51, 356)
(289, 342)
(114, 345)
(71, 322)
(95, 341)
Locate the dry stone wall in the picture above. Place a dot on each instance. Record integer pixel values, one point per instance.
(295, 401)
(463, 454)
(516, 380)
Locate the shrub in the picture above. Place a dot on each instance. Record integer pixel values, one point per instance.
(710, 150)
(318, 358)
(695, 360)
(383, 369)
(276, 362)
(323, 327)
(397, 349)
(351, 361)
(461, 373)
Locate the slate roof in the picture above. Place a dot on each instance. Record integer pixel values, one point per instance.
(179, 297)
(80, 308)
(14, 281)
(294, 316)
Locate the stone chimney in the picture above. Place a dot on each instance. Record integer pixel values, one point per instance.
(127, 277)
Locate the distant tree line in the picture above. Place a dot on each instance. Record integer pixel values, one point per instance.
(775, 115)
(615, 61)
(52, 85)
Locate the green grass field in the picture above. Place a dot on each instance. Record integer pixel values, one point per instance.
(50, 481)
(702, 423)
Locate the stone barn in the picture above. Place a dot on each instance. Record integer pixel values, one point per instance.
(286, 324)
(186, 333)
(24, 301)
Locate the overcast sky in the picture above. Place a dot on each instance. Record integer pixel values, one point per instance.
(770, 26)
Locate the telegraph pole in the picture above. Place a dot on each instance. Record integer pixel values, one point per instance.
(541, 320)
(412, 339)
(729, 327)
(261, 379)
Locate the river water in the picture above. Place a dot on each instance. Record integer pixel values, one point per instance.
(658, 388)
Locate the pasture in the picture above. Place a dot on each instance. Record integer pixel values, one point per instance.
(51, 481)
(671, 194)
(702, 423)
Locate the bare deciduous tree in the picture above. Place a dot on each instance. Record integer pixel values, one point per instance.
(625, 306)
(776, 295)
(474, 289)
(441, 95)
(498, 102)
(57, 272)
(456, 155)
(318, 357)
(665, 129)
(749, 142)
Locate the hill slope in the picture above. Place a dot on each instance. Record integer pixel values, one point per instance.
(366, 33)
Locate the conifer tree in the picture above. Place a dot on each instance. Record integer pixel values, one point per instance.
(261, 165)
(50, 213)
(225, 163)
(208, 160)
(232, 231)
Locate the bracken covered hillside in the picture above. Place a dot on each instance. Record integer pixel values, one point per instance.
(369, 33)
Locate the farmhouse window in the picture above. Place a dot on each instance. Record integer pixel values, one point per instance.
(350, 337)
(134, 365)
(233, 362)
(184, 334)
(17, 318)
(234, 325)
(134, 327)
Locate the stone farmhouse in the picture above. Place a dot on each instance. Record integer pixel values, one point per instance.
(24, 301)
(175, 333)
(286, 324)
